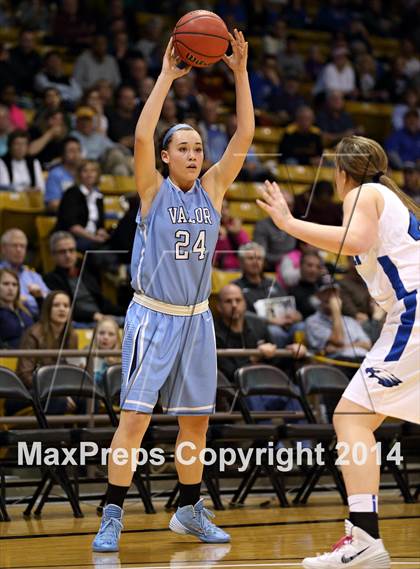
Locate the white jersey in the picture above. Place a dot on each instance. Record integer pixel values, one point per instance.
(391, 269)
(388, 381)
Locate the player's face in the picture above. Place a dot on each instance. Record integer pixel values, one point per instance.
(60, 309)
(184, 157)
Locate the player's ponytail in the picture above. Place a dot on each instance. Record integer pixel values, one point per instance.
(364, 160)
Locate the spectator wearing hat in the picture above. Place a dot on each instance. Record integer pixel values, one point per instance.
(331, 333)
(98, 147)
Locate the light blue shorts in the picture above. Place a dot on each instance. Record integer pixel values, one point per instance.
(174, 356)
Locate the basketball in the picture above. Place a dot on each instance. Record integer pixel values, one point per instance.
(200, 38)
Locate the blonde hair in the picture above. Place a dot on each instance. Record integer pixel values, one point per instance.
(108, 319)
(363, 159)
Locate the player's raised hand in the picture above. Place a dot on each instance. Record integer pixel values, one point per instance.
(273, 202)
(237, 61)
(171, 62)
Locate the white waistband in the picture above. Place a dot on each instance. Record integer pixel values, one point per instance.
(171, 309)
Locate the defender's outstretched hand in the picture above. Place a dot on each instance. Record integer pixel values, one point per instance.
(273, 202)
(237, 61)
(171, 62)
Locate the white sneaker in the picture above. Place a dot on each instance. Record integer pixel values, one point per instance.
(356, 549)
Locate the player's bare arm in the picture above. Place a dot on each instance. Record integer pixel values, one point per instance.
(360, 223)
(218, 178)
(148, 179)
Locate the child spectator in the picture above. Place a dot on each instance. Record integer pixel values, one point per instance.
(107, 337)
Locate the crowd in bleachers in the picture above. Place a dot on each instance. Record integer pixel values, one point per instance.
(73, 78)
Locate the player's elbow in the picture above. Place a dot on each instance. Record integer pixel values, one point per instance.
(357, 244)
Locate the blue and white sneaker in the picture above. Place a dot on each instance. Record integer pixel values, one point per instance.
(108, 537)
(196, 520)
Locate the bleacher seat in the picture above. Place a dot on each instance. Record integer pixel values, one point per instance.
(221, 278)
(375, 117)
(9, 363)
(44, 225)
(124, 184)
(247, 211)
(84, 337)
(243, 191)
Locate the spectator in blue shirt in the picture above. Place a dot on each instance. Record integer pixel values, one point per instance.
(14, 317)
(404, 144)
(265, 82)
(33, 290)
(62, 176)
(214, 135)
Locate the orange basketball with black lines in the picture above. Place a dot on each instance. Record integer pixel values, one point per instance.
(200, 38)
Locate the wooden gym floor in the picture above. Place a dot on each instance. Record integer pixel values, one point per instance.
(267, 537)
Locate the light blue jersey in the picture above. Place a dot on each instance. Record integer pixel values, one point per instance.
(174, 246)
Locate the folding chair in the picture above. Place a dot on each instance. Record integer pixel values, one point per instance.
(12, 389)
(52, 381)
(329, 382)
(258, 434)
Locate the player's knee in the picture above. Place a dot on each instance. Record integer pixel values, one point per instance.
(133, 423)
(197, 425)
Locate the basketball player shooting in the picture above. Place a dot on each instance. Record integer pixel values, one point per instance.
(381, 231)
(169, 341)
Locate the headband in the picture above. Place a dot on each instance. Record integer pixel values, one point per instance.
(173, 129)
(376, 177)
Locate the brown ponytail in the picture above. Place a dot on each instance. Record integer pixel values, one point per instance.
(362, 158)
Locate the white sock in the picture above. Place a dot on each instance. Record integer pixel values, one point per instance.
(363, 503)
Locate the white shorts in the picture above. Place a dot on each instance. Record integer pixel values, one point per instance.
(388, 381)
